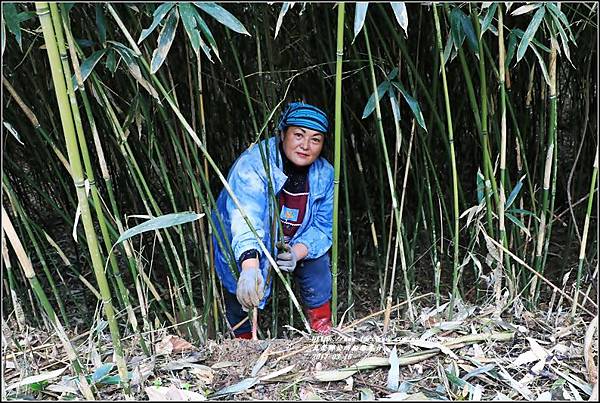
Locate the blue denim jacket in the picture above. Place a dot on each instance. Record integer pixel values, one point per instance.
(248, 180)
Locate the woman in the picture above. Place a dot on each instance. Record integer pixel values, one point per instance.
(303, 184)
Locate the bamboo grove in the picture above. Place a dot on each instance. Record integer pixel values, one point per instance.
(465, 152)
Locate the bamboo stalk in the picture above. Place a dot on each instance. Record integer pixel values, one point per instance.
(74, 159)
(453, 162)
(27, 267)
(584, 235)
(390, 177)
(337, 153)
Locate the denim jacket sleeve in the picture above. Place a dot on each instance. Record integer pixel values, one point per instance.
(318, 237)
(247, 182)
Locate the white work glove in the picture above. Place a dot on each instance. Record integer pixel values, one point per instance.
(250, 288)
(286, 258)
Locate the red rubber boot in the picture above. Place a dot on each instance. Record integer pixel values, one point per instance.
(247, 335)
(320, 318)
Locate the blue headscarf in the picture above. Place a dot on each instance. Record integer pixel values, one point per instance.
(304, 115)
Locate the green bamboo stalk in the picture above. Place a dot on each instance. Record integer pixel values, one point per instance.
(546, 216)
(20, 212)
(75, 162)
(349, 235)
(29, 272)
(13, 289)
(395, 207)
(501, 225)
(453, 162)
(337, 151)
(584, 235)
(123, 292)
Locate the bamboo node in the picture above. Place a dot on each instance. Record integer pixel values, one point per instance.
(79, 184)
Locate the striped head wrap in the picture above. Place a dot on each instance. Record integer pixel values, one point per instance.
(304, 115)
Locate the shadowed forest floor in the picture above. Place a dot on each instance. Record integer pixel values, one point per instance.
(524, 356)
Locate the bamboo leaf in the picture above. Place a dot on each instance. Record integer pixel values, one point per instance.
(3, 37)
(164, 221)
(514, 193)
(393, 378)
(284, 9)
(88, 65)
(36, 378)
(209, 36)
(12, 21)
(555, 11)
(394, 104)
(25, 15)
(111, 61)
(413, 104)
(100, 23)
(478, 371)
(563, 38)
(367, 394)
(530, 32)
(480, 186)
(525, 9)
(237, 388)
(458, 35)
(467, 26)
(370, 106)
(223, 16)
(189, 23)
(401, 15)
(512, 46)
(542, 64)
(101, 372)
(489, 16)
(448, 48)
(359, 17)
(129, 59)
(518, 223)
(537, 43)
(12, 131)
(159, 14)
(165, 40)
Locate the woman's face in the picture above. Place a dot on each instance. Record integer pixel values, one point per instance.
(302, 146)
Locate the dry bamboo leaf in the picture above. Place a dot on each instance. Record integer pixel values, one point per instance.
(278, 373)
(431, 344)
(224, 364)
(590, 364)
(172, 345)
(349, 384)
(172, 393)
(334, 375)
(522, 389)
(262, 360)
(36, 378)
(393, 378)
(309, 395)
(184, 362)
(573, 379)
(402, 396)
(544, 397)
(203, 373)
(142, 371)
(366, 394)
(538, 350)
(237, 388)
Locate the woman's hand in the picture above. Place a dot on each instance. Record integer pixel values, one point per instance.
(287, 259)
(250, 287)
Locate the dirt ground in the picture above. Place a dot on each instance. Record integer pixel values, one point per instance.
(474, 356)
